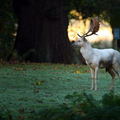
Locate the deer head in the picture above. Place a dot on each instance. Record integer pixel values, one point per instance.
(94, 27)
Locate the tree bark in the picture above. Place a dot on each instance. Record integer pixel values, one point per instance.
(42, 31)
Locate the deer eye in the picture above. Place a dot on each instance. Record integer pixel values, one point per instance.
(79, 41)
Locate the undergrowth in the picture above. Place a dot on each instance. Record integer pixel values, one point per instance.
(84, 107)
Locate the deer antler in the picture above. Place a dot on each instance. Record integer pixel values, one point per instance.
(79, 35)
(94, 27)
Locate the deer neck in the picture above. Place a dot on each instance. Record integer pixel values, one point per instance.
(86, 50)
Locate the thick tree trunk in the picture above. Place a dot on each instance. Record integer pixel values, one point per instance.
(42, 31)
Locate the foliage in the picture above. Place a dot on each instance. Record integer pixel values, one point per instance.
(85, 107)
(7, 28)
(79, 107)
(87, 8)
(106, 9)
(5, 114)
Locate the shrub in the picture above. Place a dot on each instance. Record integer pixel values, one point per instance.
(84, 107)
(77, 107)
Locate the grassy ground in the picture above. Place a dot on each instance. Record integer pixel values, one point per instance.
(28, 87)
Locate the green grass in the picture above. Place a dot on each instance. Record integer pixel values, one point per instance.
(36, 86)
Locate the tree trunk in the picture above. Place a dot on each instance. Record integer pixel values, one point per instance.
(42, 31)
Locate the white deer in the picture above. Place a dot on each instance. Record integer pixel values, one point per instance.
(98, 58)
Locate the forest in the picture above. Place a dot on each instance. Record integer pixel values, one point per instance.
(36, 30)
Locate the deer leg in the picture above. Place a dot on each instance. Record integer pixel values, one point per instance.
(95, 78)
(112, 73)
(92, 77)
(116, 69)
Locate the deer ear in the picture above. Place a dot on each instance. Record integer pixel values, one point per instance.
(84, 39)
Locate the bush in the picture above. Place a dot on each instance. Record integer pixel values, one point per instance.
(77, 107)
(84, 107)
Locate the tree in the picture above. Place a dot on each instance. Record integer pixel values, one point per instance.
(108, 10)
(7, 29)
(42, 31)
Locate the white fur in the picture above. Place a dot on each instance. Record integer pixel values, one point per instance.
(96, 58)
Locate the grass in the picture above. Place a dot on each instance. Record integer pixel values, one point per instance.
(29, 87)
